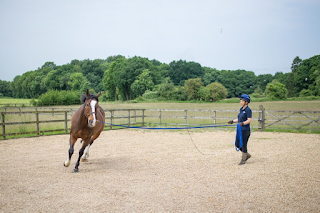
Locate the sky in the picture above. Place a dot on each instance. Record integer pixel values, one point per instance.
(255, 35)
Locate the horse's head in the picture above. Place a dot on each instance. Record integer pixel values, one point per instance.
(90, 108)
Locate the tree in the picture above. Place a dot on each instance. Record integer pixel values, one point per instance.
(113, 58)
(122, 73)
(296, 64)
(210, 75)
(213, 92)
(166, 89)
(5, 88)
(162, 73)
(315, 86)
(276, 90)
(52, 80)
(79, 83)
(143, 83)
(49, 64)
(192, 87)
(180, 71)
(109, 79)
(237, 82)
(303, 74)
(263, 80)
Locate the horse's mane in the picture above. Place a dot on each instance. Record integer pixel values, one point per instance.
(84, 97)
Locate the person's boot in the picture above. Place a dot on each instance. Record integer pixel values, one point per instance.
(248, 156)
(243, 158)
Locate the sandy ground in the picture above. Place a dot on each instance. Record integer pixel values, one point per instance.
(161, 171)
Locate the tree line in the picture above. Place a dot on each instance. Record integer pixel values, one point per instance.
(124, 78)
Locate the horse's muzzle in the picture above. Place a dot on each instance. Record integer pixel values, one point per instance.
(91, 123)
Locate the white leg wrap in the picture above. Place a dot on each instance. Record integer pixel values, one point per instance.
(67, 163)
(85, 155)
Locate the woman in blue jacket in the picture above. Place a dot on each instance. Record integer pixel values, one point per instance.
(244, 118)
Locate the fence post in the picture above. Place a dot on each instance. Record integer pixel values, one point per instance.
(129, 117)
(111, 116)
(185, 116)
(214, 117)
(143, 117)
(3, 126)
(66, 121)
(134, 116)
(159, 116)
(261, 118)
(37, 122)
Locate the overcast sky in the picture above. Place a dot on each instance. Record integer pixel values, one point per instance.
(259, 36)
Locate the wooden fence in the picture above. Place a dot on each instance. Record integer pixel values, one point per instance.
(38, 121)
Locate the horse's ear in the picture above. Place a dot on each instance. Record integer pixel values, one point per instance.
(99, 93)
(88, 94)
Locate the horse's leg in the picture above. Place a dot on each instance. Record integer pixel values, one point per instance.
(86, 151)
(85, 155)
(71, 149)
(84, 145)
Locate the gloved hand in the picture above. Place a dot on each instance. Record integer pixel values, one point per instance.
(241, 124)
(230, 122)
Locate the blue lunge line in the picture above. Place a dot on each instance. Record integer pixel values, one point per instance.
(239, 134)
(158, 128)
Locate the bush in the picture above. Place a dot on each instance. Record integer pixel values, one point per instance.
(178, 94)
(150, 94)
(213, 92)
(305, 93)
(55, 97)
(166, 89)
(256, 95)
(276, 90)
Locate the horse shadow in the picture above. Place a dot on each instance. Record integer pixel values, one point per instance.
(107, 164)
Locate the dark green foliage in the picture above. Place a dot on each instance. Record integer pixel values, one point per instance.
(123, 79)
(210, 75)
(263, 80)
(5, 88)
(237, 82)
(306, 74)
(180, 71)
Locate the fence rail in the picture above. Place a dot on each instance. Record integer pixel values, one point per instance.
(37, 121)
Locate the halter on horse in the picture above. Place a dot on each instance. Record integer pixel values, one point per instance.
(84, 125)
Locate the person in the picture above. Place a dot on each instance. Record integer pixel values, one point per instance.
(244, 119)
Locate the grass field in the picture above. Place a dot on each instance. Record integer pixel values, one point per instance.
(275, 105)
(6, 100)
(313, 105)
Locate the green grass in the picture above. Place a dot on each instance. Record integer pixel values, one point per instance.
(271, 105)
(7, 102)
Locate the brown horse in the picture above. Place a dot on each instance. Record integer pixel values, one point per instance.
(84, 125)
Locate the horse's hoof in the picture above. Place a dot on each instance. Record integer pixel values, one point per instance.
(84, 160)
(76, 170)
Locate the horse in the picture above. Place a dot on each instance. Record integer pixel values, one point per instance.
(86, 123)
